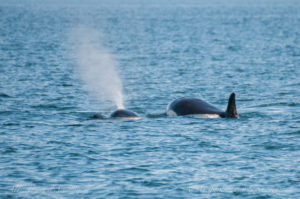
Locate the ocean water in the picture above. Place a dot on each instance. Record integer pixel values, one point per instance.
(51, 147)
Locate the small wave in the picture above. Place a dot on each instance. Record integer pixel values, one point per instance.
(67, 85)
(9, 150)
(5, 112)
(277, 104)
(59, 143)
(295, 84)
(204, 144)
(134, 169)
(53, 106)
(246, 99)
(153, 183)
(275, 146)
(67, 108)
(233, 48)
(45, 106)
(11, 124)
(217, 58)
(5, 95)
(251, 114)
(74, 154)
(156, 115)
(247, 168)
(295, 132)
(292, 104)
(74, 124)
(213, 164)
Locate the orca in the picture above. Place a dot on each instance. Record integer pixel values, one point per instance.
(122, 113)
(195, 106)
(97, 116)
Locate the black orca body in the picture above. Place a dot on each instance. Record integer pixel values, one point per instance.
(123, 113)
(97, 116)
(195, 106)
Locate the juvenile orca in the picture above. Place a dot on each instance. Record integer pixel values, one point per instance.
(97, 116)
(123, 113)
(195, 106)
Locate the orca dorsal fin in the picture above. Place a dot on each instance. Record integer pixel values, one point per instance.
(231, 107)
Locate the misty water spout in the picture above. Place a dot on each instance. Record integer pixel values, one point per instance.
(97, 67)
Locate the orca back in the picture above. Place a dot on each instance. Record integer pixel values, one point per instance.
(123, 113)
(192, 106)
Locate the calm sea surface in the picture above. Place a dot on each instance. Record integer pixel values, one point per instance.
(51, 147)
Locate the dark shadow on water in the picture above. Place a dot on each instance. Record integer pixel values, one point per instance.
(4, 95)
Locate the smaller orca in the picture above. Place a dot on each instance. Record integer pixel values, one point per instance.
(124, 113)
(195, 106)
(97, 116)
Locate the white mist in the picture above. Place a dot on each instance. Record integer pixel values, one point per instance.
(97, 67)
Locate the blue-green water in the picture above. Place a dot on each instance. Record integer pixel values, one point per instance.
(51, 147)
